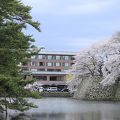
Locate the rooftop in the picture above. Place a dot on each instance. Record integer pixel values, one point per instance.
(46, 73)
(57, 53)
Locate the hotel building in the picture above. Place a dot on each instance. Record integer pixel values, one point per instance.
(50, 68)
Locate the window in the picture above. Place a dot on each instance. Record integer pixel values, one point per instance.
(33, 63)
(49, 64)
(66, 57)
(53, 78)
(25, 69)
(50, 70)
(58, 70)
(40, 77)
(72, 58)
(57, 64)
(43, 77)
(41, 63)
(66, 64)
(58, 57)
(43, 56)
(40, 56)
(34, 70)
(40, 69)
(49, 57)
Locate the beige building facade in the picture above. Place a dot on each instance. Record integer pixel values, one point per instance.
(50, 68)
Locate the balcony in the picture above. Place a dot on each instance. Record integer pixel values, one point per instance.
(49, 72)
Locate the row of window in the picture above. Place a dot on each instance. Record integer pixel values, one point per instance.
(57, 64)
(53, 57)
(48, 70)
(51, 78)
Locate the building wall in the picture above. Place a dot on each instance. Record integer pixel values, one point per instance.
(49, 66)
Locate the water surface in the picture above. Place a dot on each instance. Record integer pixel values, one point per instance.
(69, 109)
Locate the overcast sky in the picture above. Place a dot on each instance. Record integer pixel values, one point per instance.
(70, 25)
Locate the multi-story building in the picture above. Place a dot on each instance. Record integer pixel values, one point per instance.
(50, 68)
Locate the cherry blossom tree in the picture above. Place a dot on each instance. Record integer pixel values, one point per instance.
(100, 60)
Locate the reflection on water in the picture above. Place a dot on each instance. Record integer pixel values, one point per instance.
(67, 116)
(69, 109)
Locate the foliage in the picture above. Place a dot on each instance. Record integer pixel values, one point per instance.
(15, 48)
(101, 60)
(35, 94)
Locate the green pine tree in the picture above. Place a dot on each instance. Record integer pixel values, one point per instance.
(15, 48)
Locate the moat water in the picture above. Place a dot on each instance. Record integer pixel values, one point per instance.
(69, 109)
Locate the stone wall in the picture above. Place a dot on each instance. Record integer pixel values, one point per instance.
(56, 94)
(91, 89)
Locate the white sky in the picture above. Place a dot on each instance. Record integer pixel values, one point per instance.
(70, 25)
